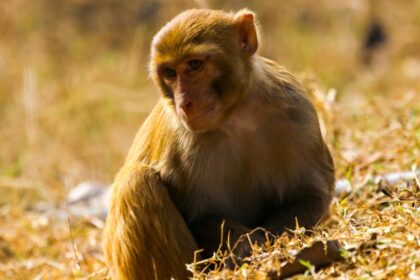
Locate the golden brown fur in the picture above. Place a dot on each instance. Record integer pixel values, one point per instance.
(258, 160)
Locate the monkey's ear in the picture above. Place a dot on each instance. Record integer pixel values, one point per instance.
(244, 20)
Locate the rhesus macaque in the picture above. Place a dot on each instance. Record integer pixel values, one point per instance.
(232, 140)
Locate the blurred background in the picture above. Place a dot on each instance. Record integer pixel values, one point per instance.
(74, 89)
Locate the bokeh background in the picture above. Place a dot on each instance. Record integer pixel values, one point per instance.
(74, 89)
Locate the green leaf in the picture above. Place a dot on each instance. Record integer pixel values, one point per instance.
(306, 264)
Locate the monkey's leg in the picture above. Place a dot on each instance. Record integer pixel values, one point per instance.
(308, 209)
(145, 235)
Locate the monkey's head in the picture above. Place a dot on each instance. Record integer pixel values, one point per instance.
(202, 61)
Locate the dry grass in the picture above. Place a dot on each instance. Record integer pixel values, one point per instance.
(73, 91)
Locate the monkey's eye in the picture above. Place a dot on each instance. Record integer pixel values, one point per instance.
(168, 73)
(194, 64)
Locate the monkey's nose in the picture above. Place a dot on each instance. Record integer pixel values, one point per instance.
(186, 106)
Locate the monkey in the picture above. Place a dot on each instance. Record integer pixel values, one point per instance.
(233, 142)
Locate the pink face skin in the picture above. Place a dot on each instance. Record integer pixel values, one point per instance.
(196, 102)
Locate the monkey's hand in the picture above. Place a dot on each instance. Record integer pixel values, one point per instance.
(214, 233)
(243, 247)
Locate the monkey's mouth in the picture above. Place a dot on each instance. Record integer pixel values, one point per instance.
(201, 115)
(202, 121)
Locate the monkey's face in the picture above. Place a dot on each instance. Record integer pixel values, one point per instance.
(189, 85)
(201, 62)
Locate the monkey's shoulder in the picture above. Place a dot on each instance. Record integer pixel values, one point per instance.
(154, 136)
(280, 87)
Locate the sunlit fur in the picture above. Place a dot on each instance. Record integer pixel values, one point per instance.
(264, 165)
(204, 32)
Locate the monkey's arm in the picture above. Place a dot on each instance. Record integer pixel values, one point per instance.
(212, 233)
(145, 235)
(308, 209)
